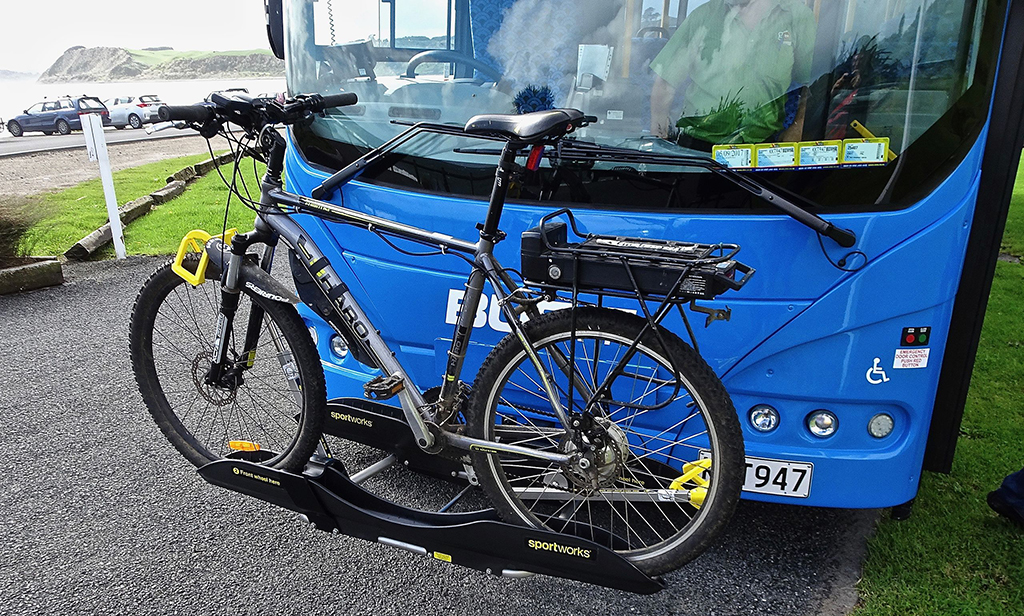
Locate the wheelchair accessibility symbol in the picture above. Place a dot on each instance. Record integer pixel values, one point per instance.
(876, 375)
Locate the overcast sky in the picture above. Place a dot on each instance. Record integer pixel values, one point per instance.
(35, 34)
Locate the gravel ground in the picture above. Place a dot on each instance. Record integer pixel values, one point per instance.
(101, 516)
(32, 173)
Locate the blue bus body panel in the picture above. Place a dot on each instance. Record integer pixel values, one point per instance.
(803, 335)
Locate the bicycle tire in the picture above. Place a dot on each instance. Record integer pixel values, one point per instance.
(285, 422)
(644, 468)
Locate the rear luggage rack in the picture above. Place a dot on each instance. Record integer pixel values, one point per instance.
(632, 267)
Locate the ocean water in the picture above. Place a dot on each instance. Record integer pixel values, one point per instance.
(16, 96)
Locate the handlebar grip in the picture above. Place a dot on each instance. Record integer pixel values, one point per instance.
(197, 114)
(340, 100)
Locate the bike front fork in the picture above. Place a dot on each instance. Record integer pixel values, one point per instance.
(225, 371)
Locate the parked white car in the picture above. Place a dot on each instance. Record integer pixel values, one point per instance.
(134, 111)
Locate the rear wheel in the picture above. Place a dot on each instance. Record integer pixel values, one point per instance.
(135, 121)
(657, 461)
(15, 129)
(63, 127)
(271, 409)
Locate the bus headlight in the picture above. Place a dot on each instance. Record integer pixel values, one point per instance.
(822, 423)
(764, 418)
(338, 346)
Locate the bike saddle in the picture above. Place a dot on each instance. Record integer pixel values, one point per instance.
(528, 127)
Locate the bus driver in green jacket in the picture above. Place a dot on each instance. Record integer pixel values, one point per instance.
(734, 62)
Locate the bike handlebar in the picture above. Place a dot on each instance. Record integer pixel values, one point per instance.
(338, 100)
(290, 110)
(186, 113)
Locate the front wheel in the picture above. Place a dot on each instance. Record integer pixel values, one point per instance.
(269, 410)
(15, 129)
(657, 455)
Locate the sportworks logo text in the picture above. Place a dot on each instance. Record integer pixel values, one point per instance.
(361, 421)
(557, 548)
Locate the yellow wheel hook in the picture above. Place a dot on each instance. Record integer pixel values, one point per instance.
(692, 473)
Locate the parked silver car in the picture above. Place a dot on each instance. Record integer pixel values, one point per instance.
(133, 111)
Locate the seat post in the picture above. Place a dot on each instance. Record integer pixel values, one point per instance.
(502, 177)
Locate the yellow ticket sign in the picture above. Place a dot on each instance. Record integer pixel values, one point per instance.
(865, 151)
(734, 156)
(772, 155)
(819, 153)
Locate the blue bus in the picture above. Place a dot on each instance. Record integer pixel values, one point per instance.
(896, 119)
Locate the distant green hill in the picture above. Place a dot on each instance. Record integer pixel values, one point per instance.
(116, 64)
(153, 58)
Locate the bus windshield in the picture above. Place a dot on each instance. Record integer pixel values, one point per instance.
(848, 103)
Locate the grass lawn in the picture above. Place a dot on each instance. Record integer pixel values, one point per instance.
(954, 555)
(1013, 238)
(200, 207)
(78, 211)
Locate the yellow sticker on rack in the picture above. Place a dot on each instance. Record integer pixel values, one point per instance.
(734, 156)
(819, 153)
(772, 155)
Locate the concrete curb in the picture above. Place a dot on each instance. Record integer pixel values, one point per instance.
(45, 272)
(98, 238)
(88, 245)
(165, 194)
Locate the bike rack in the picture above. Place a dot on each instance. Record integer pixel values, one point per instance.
(325, 495)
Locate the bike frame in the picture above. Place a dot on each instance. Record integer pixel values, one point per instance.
(275, 223)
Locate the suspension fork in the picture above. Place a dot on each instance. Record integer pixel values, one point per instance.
(230, 296)
(256, 313)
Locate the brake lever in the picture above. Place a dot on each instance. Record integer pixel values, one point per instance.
(159, 126)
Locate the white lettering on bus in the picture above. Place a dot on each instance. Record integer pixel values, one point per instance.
(488, 313)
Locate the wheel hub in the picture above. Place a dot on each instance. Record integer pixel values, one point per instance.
(597, 462)
(218, 396)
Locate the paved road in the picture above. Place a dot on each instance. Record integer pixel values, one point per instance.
(38, 142)
(101, 516)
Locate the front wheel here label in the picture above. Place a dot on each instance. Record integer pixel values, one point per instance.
(911, 358)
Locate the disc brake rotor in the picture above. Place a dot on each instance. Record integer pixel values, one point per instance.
(214, 395)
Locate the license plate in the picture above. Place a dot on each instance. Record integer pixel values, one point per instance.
(777, 477)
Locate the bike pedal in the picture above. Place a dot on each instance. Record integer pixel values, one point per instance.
(383, 387)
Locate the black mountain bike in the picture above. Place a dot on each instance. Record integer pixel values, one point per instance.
(588, 421)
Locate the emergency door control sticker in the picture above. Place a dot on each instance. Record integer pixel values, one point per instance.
(907, 358)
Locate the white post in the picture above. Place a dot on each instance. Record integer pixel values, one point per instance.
(96, 145)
